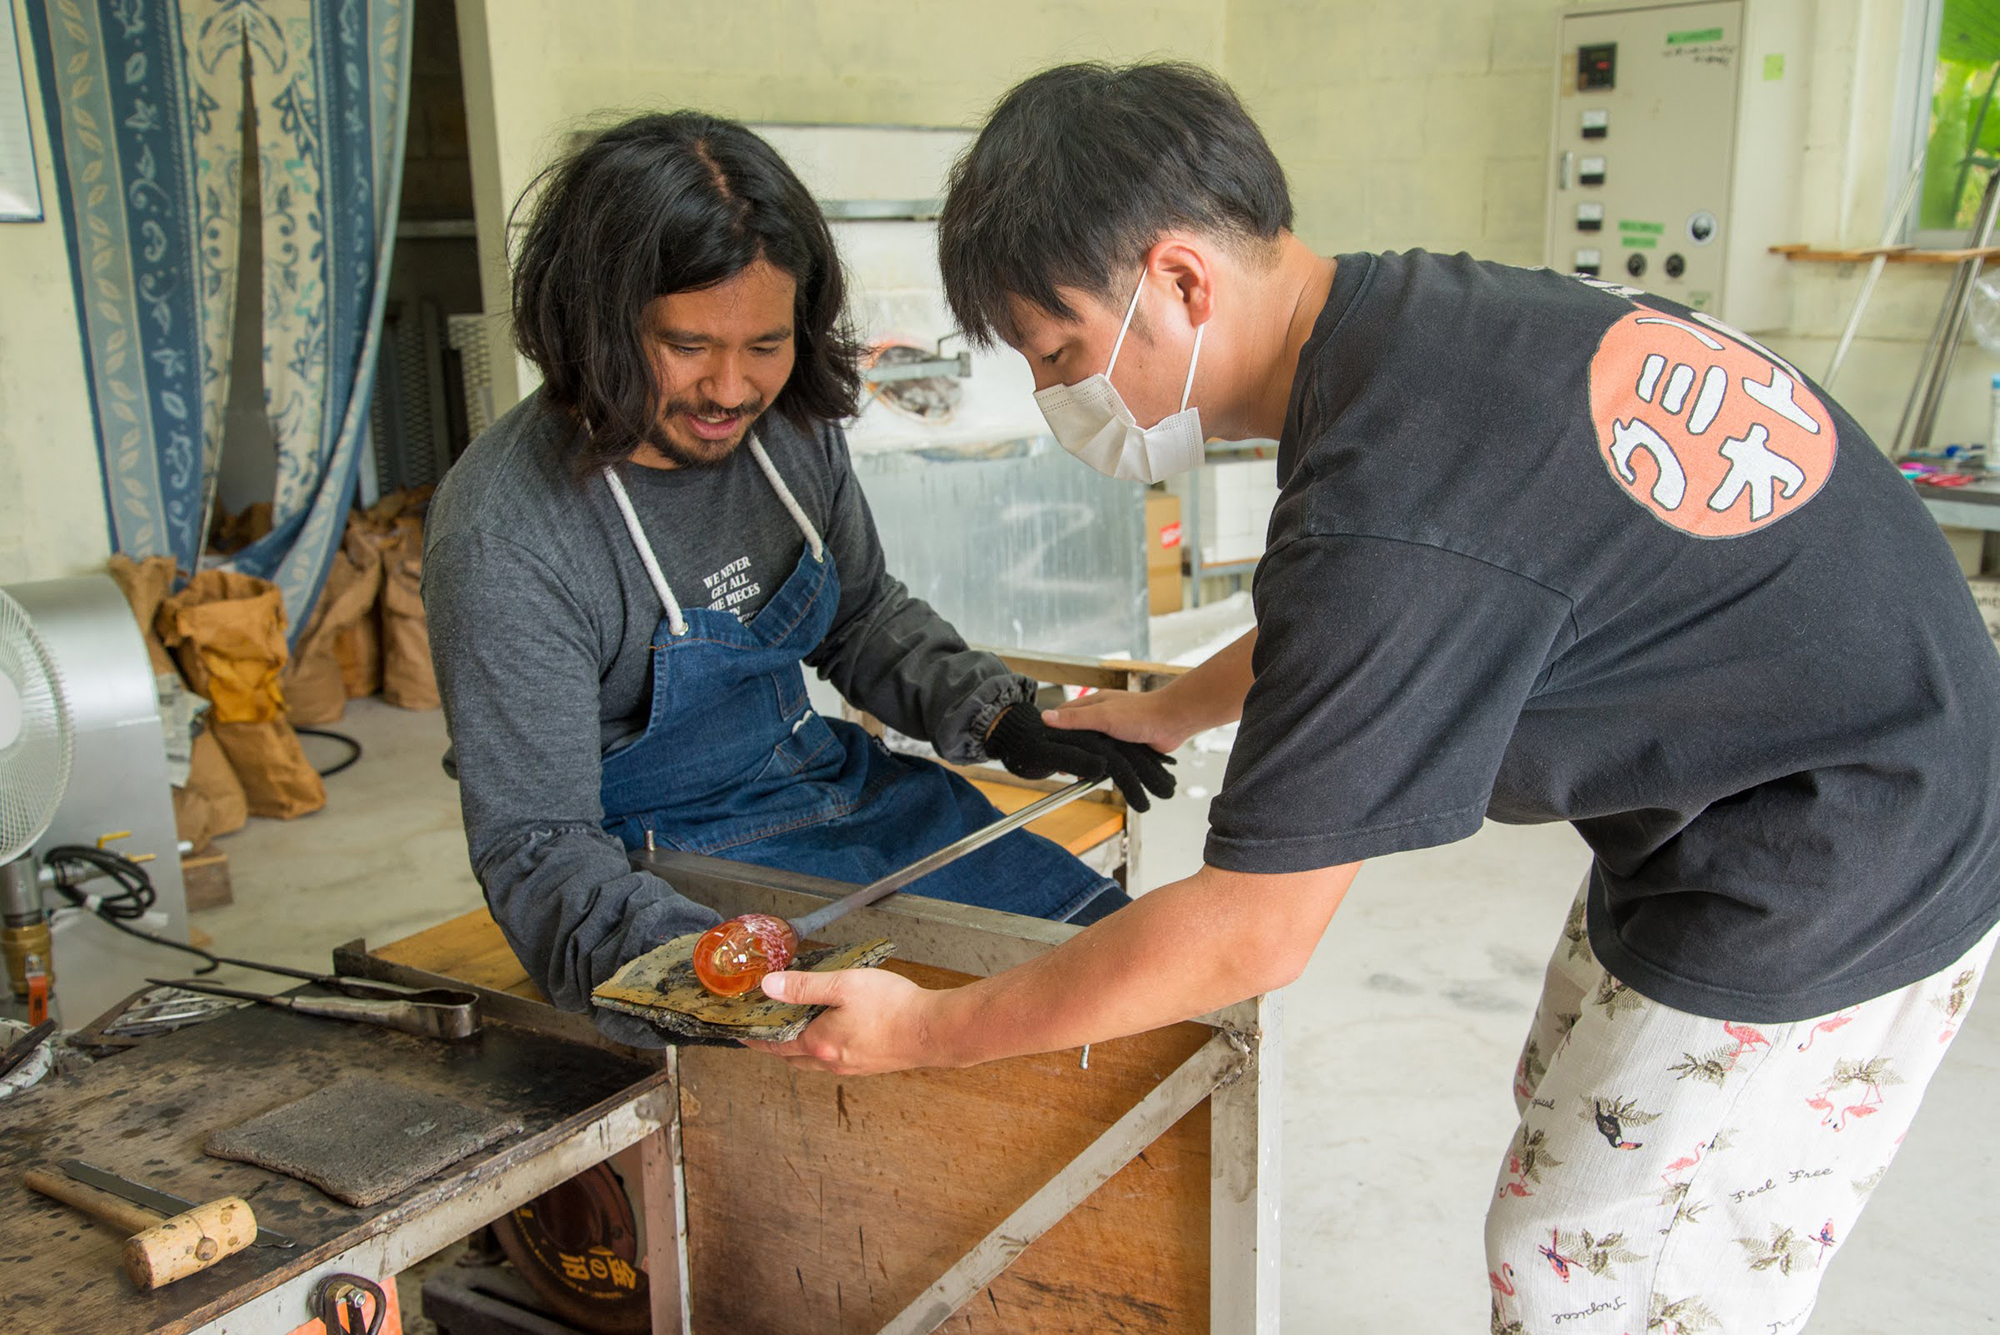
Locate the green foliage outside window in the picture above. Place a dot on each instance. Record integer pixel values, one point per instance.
(1965, 115)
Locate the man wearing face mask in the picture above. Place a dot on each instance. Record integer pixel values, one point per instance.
(626, 575)
(1091, 421)
(1546, 549)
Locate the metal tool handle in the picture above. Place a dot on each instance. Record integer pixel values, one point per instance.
(952, 852)
(423, 1020)
(24, 1047)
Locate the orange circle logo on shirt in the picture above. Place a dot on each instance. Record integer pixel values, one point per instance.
(1702, 428)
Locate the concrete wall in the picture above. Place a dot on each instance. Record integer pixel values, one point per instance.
(1426, 123)
(1413, 123)
(537, 70)
(52, 519)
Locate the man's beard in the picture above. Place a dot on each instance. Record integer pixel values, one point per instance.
(701, 453)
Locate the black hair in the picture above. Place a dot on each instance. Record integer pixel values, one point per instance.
(1081, 168)
(665, 203)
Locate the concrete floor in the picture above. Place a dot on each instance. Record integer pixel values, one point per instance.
(1401, 1041)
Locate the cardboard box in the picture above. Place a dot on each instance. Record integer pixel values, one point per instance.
(1968, 545)
(1163, 530)
(1986, 593)
(1163, 553)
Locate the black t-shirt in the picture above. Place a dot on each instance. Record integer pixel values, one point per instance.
(1550, 549)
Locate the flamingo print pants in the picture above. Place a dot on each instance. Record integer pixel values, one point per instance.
(1678, 1175)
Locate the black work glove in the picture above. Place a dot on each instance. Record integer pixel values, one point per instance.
(1032, 749)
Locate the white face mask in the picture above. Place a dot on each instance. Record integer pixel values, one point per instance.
(1091, 421)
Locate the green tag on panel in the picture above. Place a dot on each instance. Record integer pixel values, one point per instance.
(1699, 300)
(1628, 226)
(1690, 36)
(1774, 68)
(1632, 242)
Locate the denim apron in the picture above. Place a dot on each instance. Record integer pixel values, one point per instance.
(735, 763)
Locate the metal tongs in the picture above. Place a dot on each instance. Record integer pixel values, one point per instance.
(430, 1012)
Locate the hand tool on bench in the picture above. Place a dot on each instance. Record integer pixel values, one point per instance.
(354, 987)
(432, 1012)
(24, 1047)
(163, 1247)
(734, 956)
(152, 1198)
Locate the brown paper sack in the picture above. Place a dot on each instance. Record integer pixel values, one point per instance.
(399, 506)
(358, 650)
(145, 585)
(232, 533)
(194, 818)
(315, 692)
(211, 777)
(315, 684)
(359, 647)
(228, 632)
(277, 778)
(408, 678)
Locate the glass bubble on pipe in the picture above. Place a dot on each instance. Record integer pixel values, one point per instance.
(733, 957)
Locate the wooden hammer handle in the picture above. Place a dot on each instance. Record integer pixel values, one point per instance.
(97, 1204)
(159, 1251)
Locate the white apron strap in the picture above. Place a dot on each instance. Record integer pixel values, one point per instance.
(652, 563)
(675, 620)
(789, 501)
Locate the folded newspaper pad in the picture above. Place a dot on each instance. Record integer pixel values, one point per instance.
(660, 987)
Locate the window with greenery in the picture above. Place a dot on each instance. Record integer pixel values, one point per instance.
(1964, 135)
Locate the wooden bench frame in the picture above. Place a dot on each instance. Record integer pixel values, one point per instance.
(1236, 1072)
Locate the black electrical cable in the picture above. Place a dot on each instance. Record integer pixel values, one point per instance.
(353, 747)
(134, 897)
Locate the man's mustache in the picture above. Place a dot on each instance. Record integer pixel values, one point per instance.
(708, 408)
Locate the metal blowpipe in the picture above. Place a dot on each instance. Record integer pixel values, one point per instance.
(952, 852)
(733, 957)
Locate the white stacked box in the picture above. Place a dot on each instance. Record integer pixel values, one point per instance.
(1236, 501)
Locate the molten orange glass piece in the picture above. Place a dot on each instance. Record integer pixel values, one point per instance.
(733, 957)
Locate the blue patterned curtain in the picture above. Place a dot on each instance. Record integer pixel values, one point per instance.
(145, 104)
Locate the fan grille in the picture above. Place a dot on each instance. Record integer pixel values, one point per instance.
(35, 760)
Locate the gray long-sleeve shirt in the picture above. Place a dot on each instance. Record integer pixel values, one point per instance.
(541, 621)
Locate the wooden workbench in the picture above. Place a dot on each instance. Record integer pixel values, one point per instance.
(1034, 1197)
(881, 1183)
(815, 1203)
(145, 1113)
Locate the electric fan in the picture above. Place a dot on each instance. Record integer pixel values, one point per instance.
(37, 743)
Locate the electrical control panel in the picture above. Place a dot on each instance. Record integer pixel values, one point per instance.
(1679, 130)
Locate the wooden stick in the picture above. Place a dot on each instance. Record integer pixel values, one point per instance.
(159, 1251)
(97, 1204)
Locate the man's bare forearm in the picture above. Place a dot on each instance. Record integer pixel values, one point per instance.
(1180, 951)
(1212, 694)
